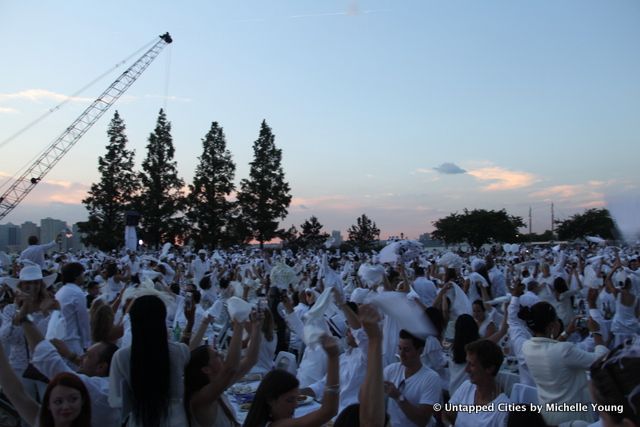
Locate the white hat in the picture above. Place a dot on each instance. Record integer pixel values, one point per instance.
(529, 299)
(29, 273)
(202, 251)
(359, 295)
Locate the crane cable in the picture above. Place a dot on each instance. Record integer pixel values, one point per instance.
(57, 107)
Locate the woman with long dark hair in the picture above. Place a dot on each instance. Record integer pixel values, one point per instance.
(207, 376)
(277, 396)
(146, 377)
(466, 332)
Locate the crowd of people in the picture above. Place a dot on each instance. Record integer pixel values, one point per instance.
(503, 336)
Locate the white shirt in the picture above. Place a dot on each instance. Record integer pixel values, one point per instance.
(48, 361)
(559, 370)
(73, 306)
(199, 268)
(35, 253)
(466, 394)
(353, 367)
(421, 388)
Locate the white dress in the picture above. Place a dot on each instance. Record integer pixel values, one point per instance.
(121, 394)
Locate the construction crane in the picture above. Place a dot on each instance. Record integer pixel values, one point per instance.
(21, 187)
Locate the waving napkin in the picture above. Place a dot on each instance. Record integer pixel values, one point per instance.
(409, 315)
(239, 310)
(314, 324)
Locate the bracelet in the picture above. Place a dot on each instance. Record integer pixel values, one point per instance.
(335, 389)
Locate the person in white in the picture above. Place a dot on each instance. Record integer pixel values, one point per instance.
(93, 371)
(484, 358)
(200, 266)
(559, 368)
(353, 361)
(73, 306)
(35, 252)
(412, 387)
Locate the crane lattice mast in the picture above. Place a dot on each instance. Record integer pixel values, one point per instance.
(21, 187)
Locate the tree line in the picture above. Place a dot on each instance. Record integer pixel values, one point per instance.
(210, 211)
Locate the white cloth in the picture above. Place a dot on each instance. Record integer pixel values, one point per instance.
(559, 370)
(199, 268)
(457, 375)
(353, 367)
(518, 335)
(466, 395)
(73, 306)
(120, 391)
(266, 354)
(421, 388)
(48, 361)
(35, 253)
(12, 337)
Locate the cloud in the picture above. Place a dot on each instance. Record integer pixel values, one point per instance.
(586, 196)
(503, 179)
(5, 110)
(37, 95)
(449, 169)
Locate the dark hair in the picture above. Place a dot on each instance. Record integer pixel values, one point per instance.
(111, 269)
(450, 274)
(417, 342)
(539, 316)
(435, 315)
(560, 285)
(33, 240)
(614, 383)
(267, 326)
(489, 354)
(70, 380)
(466, 331)
(481, 304)
(273, 385)
(149, 361)
(71, 271)
(196, 295)
(205, 283)
(224, 282)
(194, 378)
(419, 271)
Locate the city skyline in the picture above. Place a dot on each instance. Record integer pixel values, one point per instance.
(405, 112)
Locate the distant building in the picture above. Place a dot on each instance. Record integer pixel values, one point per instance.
(337, 238)
(49, 230)
(27, 230)
(428, 242)
(9, 237)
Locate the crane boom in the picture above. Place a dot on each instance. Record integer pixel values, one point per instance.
(21, 187)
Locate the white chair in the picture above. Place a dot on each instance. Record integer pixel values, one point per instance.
(287, 361)
(522, 393)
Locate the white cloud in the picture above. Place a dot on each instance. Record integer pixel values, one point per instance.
(503, 179)
(7, 110)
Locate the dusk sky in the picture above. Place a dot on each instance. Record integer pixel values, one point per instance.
(405, 110)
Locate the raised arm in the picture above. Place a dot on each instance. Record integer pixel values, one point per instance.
(255, 340)
(12, 387)
(330, 398)
(372, 389)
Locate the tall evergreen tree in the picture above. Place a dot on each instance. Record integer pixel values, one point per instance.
(364, 233)
(264, 197)
(311, 235)
(113, 195)
(209, 208)
(161, 201)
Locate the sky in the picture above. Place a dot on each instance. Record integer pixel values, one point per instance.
(405, 111)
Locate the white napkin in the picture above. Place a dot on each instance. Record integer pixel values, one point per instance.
(409, 315)
(239, 309)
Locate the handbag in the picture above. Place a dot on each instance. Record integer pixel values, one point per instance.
(31, 372)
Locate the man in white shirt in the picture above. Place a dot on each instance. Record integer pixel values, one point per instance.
(35, 252)
(93, 371)
(200, 266)
(412, 387)
(73, 306)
